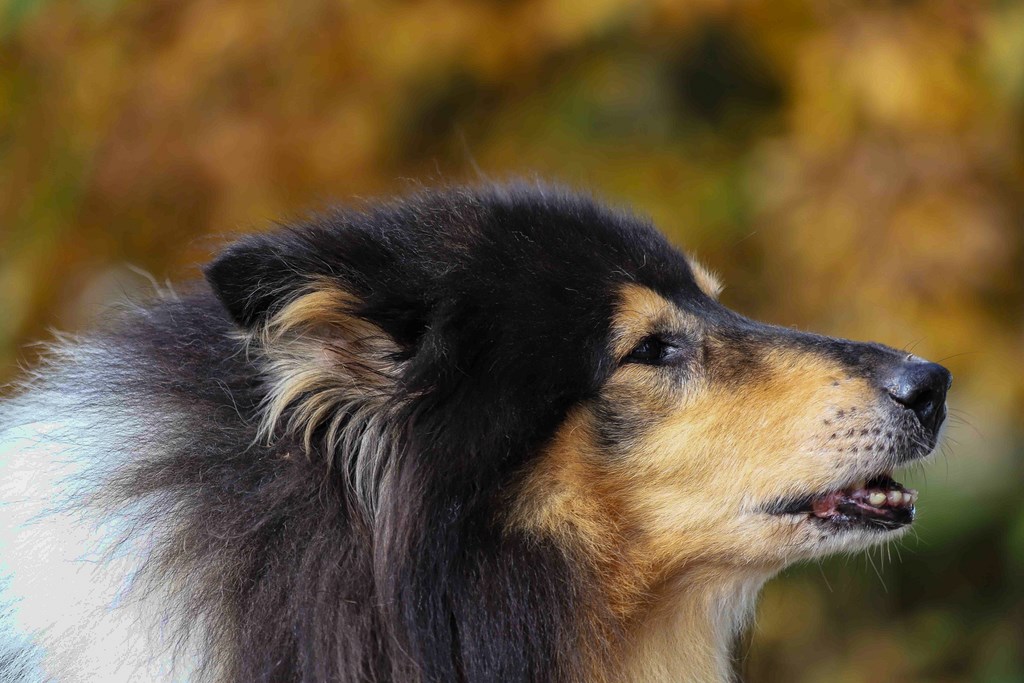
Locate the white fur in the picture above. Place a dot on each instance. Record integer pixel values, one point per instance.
(66, 568)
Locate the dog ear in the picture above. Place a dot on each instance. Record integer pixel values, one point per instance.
(258, 276)
(327, 364)
(259, 273)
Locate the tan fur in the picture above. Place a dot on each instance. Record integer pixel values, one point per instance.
(639, 312)
(706, 279)
(674, 528)
(688, 631)
(329, 368)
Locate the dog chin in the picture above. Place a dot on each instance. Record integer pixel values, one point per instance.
(855, 540)
(811, 538)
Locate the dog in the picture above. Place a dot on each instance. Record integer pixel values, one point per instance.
(490, 433)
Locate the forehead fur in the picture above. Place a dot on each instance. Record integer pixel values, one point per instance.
(513, 286)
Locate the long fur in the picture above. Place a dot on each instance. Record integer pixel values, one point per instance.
(273, 553)
(392, 445)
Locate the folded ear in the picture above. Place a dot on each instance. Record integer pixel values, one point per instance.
(258, 274)
(329, 368)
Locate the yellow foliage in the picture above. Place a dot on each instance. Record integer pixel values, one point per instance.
(854, 168)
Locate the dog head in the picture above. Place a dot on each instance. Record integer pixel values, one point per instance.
(522, 363)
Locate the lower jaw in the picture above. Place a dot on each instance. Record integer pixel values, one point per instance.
(842, 522)
(815, 539)
(879, 505)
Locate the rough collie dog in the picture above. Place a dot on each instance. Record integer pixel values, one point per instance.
(490, 434)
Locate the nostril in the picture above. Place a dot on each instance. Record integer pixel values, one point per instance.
(912, 396)
(921, 387)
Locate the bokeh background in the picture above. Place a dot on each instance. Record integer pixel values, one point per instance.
(848, 167)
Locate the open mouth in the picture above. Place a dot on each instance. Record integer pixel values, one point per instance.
(878, 503)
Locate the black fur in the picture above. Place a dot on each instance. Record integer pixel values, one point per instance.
(291, 577)
(498, 301)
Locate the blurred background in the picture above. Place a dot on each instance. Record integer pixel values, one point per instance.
(849, 167)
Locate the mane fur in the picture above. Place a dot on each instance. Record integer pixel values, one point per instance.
(291, 496)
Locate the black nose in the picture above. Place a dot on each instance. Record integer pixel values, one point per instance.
(921, 386)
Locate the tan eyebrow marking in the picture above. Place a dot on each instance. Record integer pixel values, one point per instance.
(640, 312)
(706, 279)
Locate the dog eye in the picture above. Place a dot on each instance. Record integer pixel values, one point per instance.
(653, 351)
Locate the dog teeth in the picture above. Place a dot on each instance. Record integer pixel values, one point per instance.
(890, 498)
(876, 498)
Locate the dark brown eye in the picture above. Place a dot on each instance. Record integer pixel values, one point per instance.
(653, 351)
